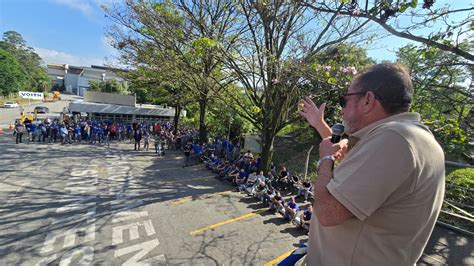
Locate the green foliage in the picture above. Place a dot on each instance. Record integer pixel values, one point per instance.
(441, 95)
(463, 177)
(328, 76)
(463, 181)
(110, 86)
(34, 77)
(175, 45)
(12, 76)
(203, 45)
(447, 132)
(222, 113)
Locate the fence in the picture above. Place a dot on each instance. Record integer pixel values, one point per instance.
(455, 215)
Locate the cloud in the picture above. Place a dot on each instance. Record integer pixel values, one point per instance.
(56, 57)
(85, 7)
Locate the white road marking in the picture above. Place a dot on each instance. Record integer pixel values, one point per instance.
(143, 249)
(128, 215)
(117, 234)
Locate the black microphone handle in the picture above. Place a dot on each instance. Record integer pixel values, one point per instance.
(335, 138)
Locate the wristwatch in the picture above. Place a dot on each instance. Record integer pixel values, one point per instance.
(327, 157)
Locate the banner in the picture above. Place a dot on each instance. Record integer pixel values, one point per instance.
(31, 95)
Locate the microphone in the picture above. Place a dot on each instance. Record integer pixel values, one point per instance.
(337, 131)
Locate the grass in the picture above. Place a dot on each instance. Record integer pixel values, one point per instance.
(463, 177)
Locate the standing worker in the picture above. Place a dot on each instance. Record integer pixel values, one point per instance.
(19, 130)
(379, 205)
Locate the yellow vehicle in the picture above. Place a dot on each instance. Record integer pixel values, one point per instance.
(56, 95)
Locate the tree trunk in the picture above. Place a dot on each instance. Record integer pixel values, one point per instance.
(202, 124)
(177, 112)
(268, 136)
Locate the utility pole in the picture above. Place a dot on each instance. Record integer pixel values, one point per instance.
(307, 162)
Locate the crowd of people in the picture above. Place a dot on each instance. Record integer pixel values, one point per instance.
(102, 133)
(380, 202)
(242, 169)
(379, 191)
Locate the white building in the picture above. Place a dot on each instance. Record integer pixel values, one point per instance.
(76, 79)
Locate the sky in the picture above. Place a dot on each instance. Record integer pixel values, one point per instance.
(61, 31)
(73, 31)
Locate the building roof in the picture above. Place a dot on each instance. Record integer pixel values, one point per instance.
(88, 107)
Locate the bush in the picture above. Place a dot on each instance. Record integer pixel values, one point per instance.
(463, 177)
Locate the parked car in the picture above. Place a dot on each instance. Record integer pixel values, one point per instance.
(41, 110)
(10, 105)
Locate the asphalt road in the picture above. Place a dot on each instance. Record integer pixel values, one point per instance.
(72, 204)
(112, 206)
(8, 115)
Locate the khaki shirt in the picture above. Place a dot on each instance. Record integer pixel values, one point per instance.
(392, 181)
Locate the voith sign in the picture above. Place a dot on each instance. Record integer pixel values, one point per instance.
(31, 95)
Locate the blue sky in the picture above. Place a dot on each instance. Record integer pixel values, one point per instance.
(61, 31)
(72, 31)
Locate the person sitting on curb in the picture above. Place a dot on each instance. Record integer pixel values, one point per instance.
(291, 209)
(277, 203)
(304, 220)
(241, 178)
(247, 186)
(305, 189)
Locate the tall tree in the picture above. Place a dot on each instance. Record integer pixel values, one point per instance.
(442, 93)
(36, 75)
(190, 30)
(12, 76)
(442, 27)
(273, 60)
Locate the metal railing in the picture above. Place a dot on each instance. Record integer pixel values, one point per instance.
(457, 210)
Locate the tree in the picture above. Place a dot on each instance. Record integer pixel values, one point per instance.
(446, 27)
(189, 31)
(274, 61)
(109, 86)
(12, 76)
(441, 94)
(162, 87)
(36, 75)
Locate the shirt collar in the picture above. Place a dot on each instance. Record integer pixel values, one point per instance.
(411, 117)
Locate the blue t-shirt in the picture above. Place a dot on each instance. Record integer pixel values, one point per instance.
(307, 215)
(197, 149)
(243, 174)
(293, 205)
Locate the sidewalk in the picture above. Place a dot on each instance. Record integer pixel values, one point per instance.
(449, 248)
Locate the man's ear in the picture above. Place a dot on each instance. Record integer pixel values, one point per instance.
(370, 101)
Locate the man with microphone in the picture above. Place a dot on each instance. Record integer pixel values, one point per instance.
(379, 205)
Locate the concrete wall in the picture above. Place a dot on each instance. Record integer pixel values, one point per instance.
(253, 143)
(71, 80)
(109, 98)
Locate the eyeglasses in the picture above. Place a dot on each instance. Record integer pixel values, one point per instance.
(343, 101)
